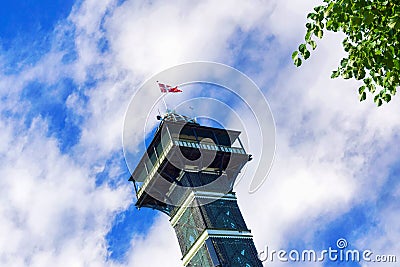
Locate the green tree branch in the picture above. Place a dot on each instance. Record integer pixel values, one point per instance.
(372, 43)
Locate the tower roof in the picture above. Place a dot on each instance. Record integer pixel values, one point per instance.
(175, 117)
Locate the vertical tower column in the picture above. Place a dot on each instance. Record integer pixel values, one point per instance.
(215, 233)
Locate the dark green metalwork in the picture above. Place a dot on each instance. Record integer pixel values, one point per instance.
(236, 252)
(189, 228)
(201, 259)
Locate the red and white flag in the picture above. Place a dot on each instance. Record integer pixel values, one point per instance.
(164, 88)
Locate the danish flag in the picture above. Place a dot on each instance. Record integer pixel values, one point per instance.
(164, 88)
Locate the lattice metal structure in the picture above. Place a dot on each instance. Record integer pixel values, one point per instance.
(188, 172)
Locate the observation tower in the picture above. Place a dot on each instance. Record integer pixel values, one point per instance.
(188, 172)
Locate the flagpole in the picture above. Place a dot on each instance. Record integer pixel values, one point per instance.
(163, 93)
(165, 104)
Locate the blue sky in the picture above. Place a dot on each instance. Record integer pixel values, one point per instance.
(68, 70)
(26, 27)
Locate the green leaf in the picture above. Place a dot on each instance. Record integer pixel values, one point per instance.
(304, 51)
(347, 75)
(387, 97)
(320, 24)
(367, 81)
(360, 74)
(335, 74)
(313, 44)
(312, 16)
(329, 24)
(378, 100)
(307, 37)
(296, 59)
(389, 62)
(318, 9)
(356, 21)
(328, 9)
(392, 90)
(297, 62)
(302, 48)
(295, 54)
(368, 18)
(363, 96)
(346, 45)
(361, 89)
(306, 54)
(320, 33)
(344, 62)
(397, 64)
(397, 26)
(392, 24)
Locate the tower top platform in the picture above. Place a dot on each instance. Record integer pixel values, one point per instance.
(181, 145)
(175, 117)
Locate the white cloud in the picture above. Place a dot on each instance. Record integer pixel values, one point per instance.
(148, 37)
(52, 205)
(160, 245)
